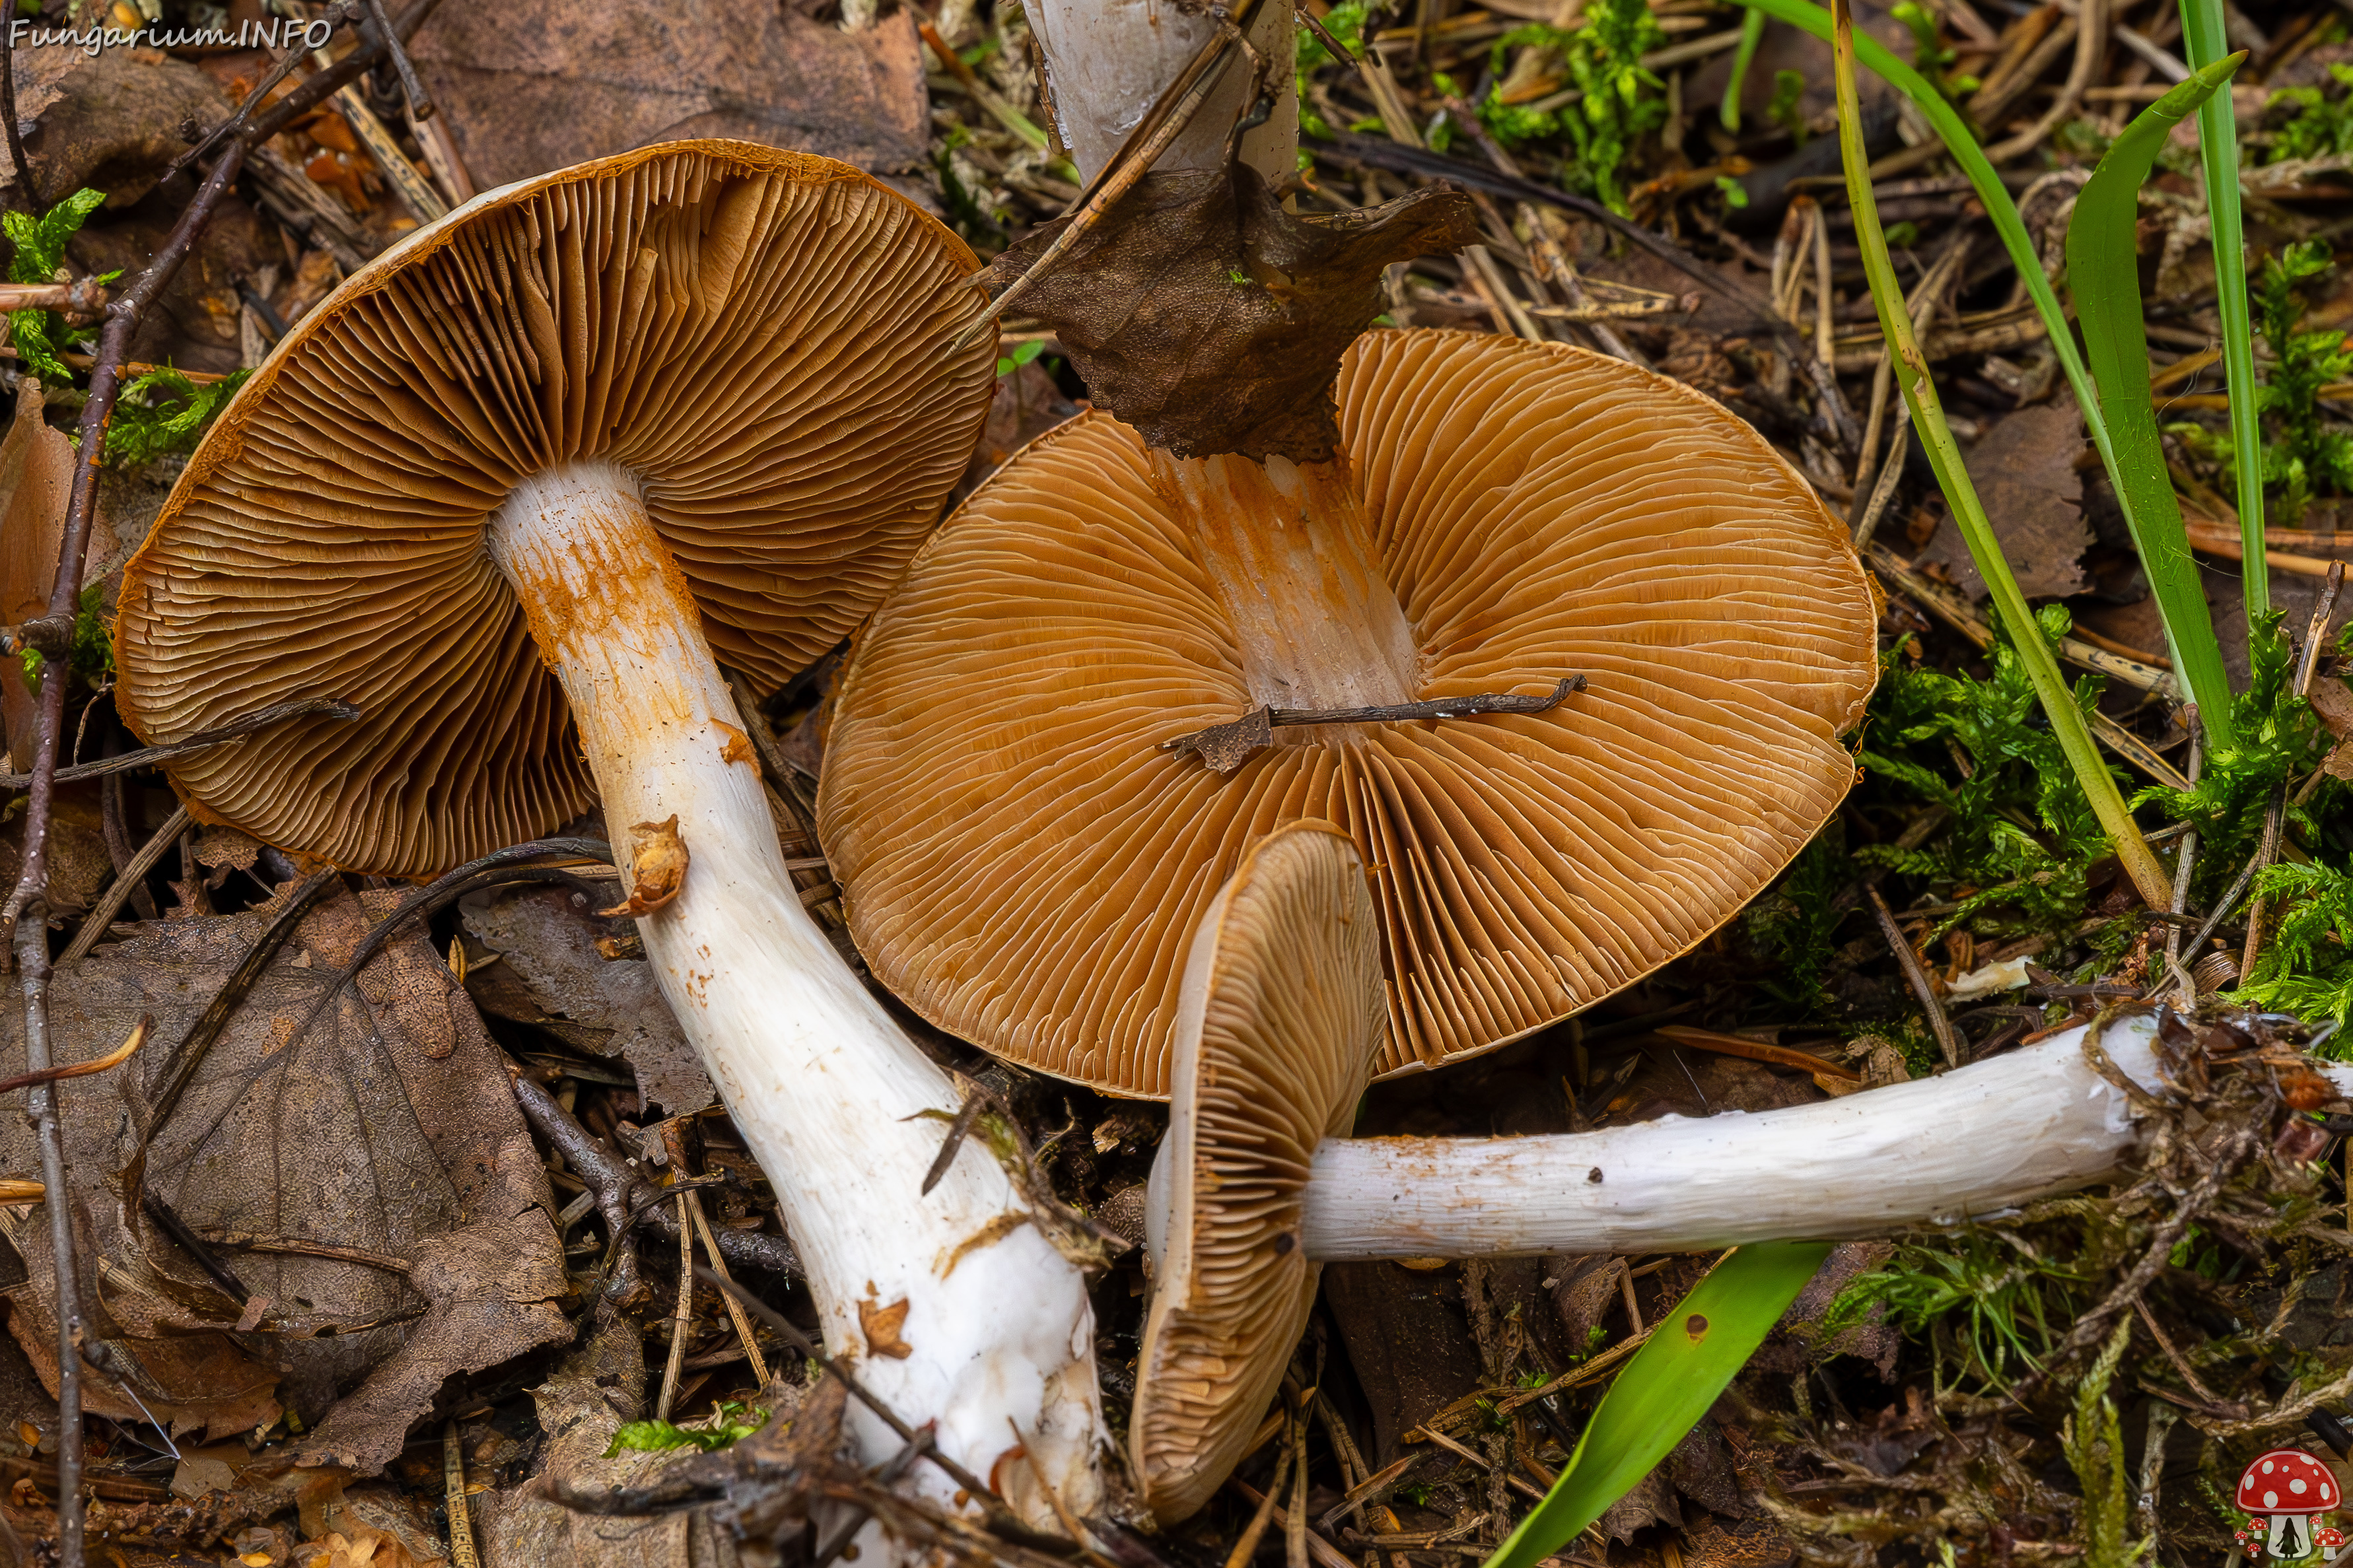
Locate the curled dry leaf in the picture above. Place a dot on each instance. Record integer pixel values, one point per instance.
(586, 81)
(555, 975)
(658, 859)
(880, 1325)
(1208, 318)
(354, 1135)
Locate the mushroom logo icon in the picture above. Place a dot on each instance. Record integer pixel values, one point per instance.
(2289, 1488)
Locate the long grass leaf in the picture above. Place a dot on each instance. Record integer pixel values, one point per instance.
(1751, 33)
(2103, 274)
(2194, 633)
(1911, 367)
(2218, 147)
(1666, 1386)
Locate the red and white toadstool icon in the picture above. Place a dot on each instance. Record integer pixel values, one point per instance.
(2331, 1540)
(2288, 1487)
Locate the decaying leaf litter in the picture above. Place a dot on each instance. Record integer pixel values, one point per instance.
(317, 1265)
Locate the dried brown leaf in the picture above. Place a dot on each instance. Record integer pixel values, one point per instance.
(1212, 321)
(355, 1135)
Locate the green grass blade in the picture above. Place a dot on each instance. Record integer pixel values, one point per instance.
(2104, 274)
(2196, 633)
(1751, 33)
(2218, 146)
(2067, 723)
(1666, 1387)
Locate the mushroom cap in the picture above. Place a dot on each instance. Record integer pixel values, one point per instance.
(1281, 1012)
(1023, 864)
(2288, 1480)
(761, 337)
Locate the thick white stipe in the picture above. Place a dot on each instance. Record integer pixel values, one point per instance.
(2006, 1131)
(998, 1334)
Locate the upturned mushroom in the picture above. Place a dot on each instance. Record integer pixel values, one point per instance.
(2288, 1490)
(1239, 1217)
(1023, 794)
(515, 488)
(1280, 1013)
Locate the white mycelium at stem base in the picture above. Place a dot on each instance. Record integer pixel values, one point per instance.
(997, 1327)
(2002, 1133)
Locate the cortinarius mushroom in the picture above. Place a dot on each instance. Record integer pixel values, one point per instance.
(1025, 859)
(2288, 1488)
(1237, 1227)
(515, 490)
(1280, 1013)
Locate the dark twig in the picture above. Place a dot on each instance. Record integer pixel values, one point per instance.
(26, 909)
(168, 1220)
(617, 1185)
(420, 102)
(973, 1104)
(1917, 977)
(17, 159)
(1228, 746)
(220, 735)
(258, 120)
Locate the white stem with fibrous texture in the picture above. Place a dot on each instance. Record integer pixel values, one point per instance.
(955, 1308)
(1108, 61)
(2003, 1133)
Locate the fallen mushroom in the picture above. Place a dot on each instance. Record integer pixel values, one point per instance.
(516, 488)
(1237, 1221)
(1024, 863)
(1281, 1013)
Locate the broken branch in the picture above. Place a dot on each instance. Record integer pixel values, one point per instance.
(1226, 747)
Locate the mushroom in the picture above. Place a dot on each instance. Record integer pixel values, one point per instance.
(2288, 1487)
(1273, 1007)
(1024, 858)
(1281, 1011)
(515, 488)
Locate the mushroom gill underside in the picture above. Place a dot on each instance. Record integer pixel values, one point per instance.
(681, 312)
(1024, 865)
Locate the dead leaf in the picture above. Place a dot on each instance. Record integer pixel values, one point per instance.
(1650, 1501)
(1381, 1308)
(2024, 471)
(552, 975)
(108, 119)
(586, 81)
(1740, 1543)
(737, 746)
(658, 863)
(881, 1326)
(352, 1135)
(1212, 321)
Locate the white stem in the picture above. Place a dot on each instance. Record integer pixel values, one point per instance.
(1107, 61)
(2022, 1126)
(997, 1327)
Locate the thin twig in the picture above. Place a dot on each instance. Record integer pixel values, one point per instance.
(126, 881)
(735, 1313)
(219, 735)
(1227, 746)
(420, 102)
(1917, 977)
(453, 1487)
(113, 1059)
(681, 1320)
(1169, 115)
